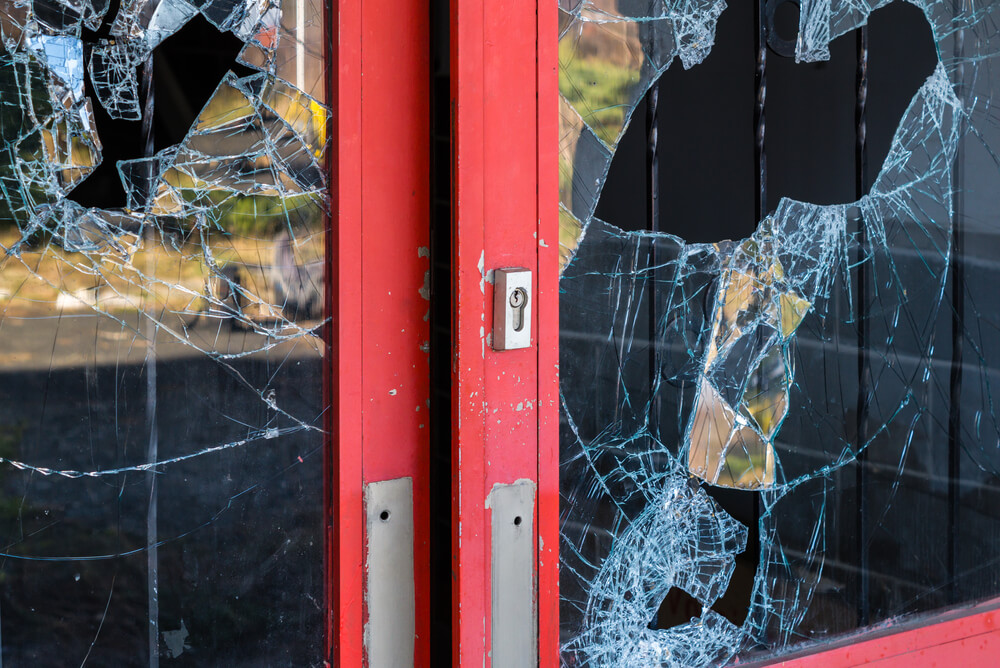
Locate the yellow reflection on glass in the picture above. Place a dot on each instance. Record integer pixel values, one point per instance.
(743, 389)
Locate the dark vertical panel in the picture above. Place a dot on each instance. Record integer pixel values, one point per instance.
(761, 30)
(653, 224)
(152, 448)
(759, 123)
(861, 186)
(707, 177)
(810, 122)
(957, 270)
(652, 158)
(440, 341)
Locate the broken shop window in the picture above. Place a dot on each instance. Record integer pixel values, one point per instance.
(163, 211)
(776, 386)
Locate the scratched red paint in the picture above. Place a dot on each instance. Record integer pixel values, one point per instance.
(381, 218)
(504, 95)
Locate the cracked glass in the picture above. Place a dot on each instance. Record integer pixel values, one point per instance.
(163, 212)
(776, 355)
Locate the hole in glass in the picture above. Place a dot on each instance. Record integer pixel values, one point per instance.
(677, 607)
(785, 20)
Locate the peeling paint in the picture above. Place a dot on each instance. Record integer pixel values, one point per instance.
(425, 289)
(482, 271)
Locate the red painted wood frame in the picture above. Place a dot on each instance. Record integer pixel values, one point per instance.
(378, 374)
(505, 405)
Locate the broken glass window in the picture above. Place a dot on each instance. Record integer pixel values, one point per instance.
(161, 429)
(792, 426)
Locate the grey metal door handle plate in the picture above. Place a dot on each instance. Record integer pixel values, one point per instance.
(389, 592)
(514, 607)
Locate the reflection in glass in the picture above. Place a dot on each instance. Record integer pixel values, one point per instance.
(161, 429)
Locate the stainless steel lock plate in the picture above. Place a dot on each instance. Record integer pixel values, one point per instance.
(511, 309)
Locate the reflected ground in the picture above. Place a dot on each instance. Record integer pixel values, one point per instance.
(240, 554)
(240, 563)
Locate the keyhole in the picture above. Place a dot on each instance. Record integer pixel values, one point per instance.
(518, 300)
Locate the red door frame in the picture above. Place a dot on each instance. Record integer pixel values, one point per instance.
(378, 374)
(505, 405)
(963, 637)
(505, 193)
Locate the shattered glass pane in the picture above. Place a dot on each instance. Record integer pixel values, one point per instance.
(804, 412)
(162, 422)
